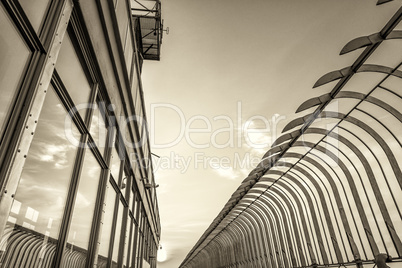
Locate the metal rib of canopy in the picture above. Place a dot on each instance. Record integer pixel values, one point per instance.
(328, 192)
(148, 23)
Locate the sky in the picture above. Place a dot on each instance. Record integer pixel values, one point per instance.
(231, 75)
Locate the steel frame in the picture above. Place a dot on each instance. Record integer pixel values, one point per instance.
(336, 204)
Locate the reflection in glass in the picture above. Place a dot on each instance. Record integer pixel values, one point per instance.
(130, 202)
(98, 129)
(106, 225)
(138, 111)
(135, 207)
(133, 245)
(138, 249)
(140, 238)
(73, 76)
(134, 85)
(132, 255)
(14, 55)
(128, 50)
(36, 12)
(140, 255)
(115, 164)
(80, 228)
(117, 235)
(41, 194)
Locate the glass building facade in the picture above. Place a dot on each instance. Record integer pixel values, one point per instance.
(77, 185)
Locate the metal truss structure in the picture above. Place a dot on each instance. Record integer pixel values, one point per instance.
(147, 15)
(328, 192)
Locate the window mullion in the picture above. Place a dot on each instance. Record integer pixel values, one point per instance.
(71, 198)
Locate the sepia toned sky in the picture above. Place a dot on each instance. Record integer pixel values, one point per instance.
(231, 75)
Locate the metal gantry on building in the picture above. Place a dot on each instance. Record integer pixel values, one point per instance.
(328, 192)
(76, 179)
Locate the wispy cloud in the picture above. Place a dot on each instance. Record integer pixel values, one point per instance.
(227, 172)
(231, 173)
(52, 153)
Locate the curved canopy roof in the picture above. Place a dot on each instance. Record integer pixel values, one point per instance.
(329, 189)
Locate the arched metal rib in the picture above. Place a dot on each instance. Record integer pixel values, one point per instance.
(365, 41)
(380, 2)
(338, 74)
(241, 203)
(343, 94)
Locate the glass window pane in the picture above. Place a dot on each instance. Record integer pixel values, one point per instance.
(106, 225)
(132, 195)
(80, 229)
(98, 129)
(35, 11)
(46, 174)
(73, 76)
(134, 85)
(135, 208)
(128, 50)
(139, 249)
(138, 111)
(14, 55)
(115, 164)
(133, 245)
(117, 235)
